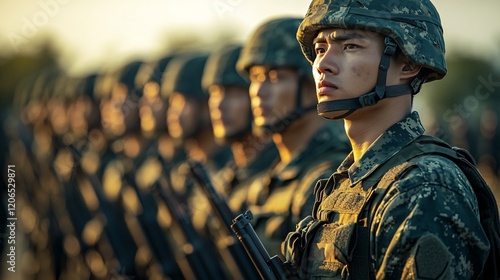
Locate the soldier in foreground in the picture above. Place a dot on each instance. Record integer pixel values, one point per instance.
(385, 213)
(283, 102)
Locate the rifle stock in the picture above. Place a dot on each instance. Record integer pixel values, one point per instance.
(226, 215)
(269, 268)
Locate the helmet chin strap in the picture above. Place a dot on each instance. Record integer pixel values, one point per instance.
(331, 109)
(282, 123)
(240, 134)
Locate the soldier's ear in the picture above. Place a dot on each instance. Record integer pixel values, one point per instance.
(409, 70)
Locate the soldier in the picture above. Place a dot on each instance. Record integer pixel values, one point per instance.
(154, 162)
(132, 147)
(49, 140)
(83, 113)
(232, 119)
(283, 101)
(188, 119)
(188, 123)
(30, 151)
(369, 58)
(152, 112)
(488, 154)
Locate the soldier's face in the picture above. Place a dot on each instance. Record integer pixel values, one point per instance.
(272, 94)
(229, 110)
(152, 109)
(346, 63)
(182, 116)
(82, 116)
(58, 116)
(112, 117)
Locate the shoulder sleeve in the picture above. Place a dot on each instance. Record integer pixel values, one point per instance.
(429, 210)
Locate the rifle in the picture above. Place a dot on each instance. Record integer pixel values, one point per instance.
(199, 256)
(225, 214)
(270, 268)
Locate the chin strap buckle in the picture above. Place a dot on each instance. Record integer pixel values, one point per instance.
(368, 99)
(390, 46)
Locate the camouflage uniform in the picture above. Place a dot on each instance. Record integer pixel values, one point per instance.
(283, 196)
(234, 182)
(448, 233)
(426, 222)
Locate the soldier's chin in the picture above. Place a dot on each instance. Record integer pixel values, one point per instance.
(334, 115)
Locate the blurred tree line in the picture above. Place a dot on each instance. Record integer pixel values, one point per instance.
(468, 79)
(15, 68)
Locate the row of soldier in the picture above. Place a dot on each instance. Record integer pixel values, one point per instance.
(106, 184)
(109, 188)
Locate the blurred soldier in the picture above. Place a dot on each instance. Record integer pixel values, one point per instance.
(94, 187)
(49, 137)
(188, 118)
(68, 261)
(39, 115)
(151, 164)
(153, 112)
(188, 123)
(384, 214)
(119, 183)
(83, 114)
(36, 182)
(42, 194)
(283, 102)
(488, 153)
(232, 119)
(91, 175)
(17, 137)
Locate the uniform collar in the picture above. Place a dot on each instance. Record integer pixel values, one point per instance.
(262, 161)
(384, 147)
(326, 140)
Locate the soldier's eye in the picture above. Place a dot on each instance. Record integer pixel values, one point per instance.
(350, 46)
(319, 50)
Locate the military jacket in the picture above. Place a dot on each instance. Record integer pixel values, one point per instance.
(233, 182)
(426, 224)
(283, 196)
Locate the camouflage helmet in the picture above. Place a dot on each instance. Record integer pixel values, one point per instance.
(183, 75)
(220, 68)
(128, 73)
(86, 85)
(127, 76)
(414, 25)
(274, 44)
(152, 71)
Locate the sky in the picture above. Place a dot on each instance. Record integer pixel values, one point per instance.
(93, 34)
